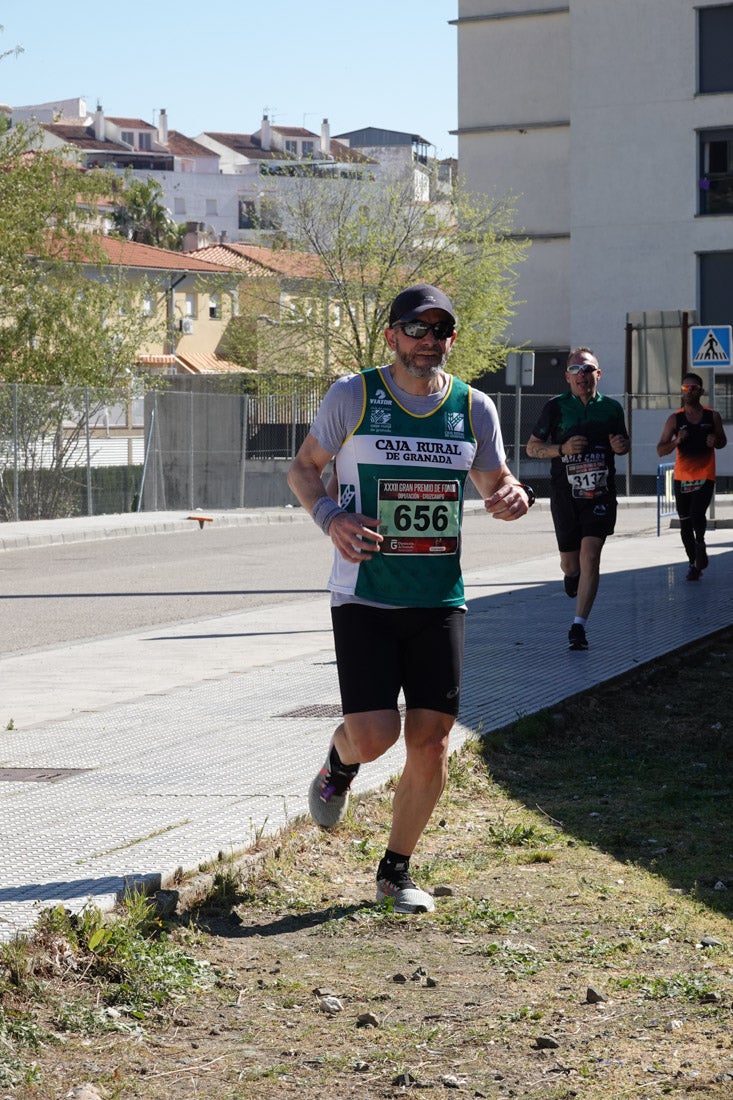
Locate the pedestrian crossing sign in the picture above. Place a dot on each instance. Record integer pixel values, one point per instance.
(711, 346)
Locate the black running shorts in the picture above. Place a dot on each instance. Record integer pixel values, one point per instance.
(382, 650)
(575, 520)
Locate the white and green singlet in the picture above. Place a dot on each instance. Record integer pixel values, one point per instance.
(409, 470)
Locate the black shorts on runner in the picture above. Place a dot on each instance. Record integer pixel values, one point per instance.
(578, 519)
(382, 650)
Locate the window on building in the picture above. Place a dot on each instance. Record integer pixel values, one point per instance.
(144, 140)
(291, 148)
(190, 306)
(211, 208)
(247, 214)
(308, 148)
(148, 304)
(716, 171)
(213, 306)
(715, 45)
(128, 137)
(179, 204)
(716, 278)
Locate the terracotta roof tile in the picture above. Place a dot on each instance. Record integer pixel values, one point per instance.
(244, 144)
(83, 136)
(278, 261)
(248, 145)
(131, 123)
(201, 362)
(132, 254)
(182, 146)
(294, 131)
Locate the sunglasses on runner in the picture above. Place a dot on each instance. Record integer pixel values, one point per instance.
(582, 368)
(441, 330)
(691, 386)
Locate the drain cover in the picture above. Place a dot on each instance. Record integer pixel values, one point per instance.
(38, 775)
(314, 710)
(321, 710)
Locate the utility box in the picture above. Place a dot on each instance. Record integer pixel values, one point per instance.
(520, 368)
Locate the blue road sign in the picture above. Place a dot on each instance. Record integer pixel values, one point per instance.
(711, 346)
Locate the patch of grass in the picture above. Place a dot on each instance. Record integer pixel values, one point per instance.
(678, 987)
(474, 915)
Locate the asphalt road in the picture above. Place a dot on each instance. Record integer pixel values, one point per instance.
(60, 594)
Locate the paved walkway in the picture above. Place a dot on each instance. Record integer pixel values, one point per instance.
(197, 739)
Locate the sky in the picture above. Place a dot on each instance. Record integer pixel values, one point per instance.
(220, 66)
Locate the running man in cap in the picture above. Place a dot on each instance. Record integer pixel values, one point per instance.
(581, 431)
(404, 438)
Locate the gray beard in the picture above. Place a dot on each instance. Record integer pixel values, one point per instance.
(407, 362)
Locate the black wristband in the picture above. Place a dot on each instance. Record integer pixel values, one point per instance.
(530, 493)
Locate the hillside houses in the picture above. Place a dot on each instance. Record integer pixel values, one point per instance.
(226, 186)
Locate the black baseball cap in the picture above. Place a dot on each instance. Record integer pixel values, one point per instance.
(417, 299)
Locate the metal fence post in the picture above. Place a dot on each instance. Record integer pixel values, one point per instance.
(146, 458)
(90, 504)
(517, 427)
(243, 460)
(191, 463)
(16, 474)
(627, 417)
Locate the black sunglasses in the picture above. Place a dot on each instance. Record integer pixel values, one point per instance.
(441, 330)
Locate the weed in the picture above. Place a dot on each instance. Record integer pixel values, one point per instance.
(475, 914)
(678, 987)
(519, 836)
(16, 961)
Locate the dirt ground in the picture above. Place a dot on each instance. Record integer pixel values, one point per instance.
(581, 945)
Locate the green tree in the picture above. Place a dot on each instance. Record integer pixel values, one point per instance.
(71, 325)
(141, 215)
(66, 315)
(373, 240)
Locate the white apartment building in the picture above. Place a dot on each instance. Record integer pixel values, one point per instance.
(612, 123)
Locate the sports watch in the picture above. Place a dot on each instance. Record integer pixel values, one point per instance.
(530, 493)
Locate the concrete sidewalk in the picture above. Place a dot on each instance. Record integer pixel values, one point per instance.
(157, 750)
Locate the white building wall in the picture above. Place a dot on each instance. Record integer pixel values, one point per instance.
(620, 182)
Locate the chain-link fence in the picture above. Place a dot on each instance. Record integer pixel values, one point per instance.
(78, 451)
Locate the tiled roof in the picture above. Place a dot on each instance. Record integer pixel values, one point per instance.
(250, 259)
(244, 144)
(248, 145)
(201, 362)
(83, 136)
(342, 152)
(131, 123)
(294, 131)
(132, 254)
(182, 146)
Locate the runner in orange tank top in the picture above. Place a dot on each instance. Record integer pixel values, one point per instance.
(695, 432)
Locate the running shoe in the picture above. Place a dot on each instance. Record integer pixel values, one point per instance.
(571, 584)
(701, 557)
(576, 637)
(693, 574)
(328, 795)
(396, 884)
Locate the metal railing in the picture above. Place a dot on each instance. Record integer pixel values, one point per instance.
(665, 493)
